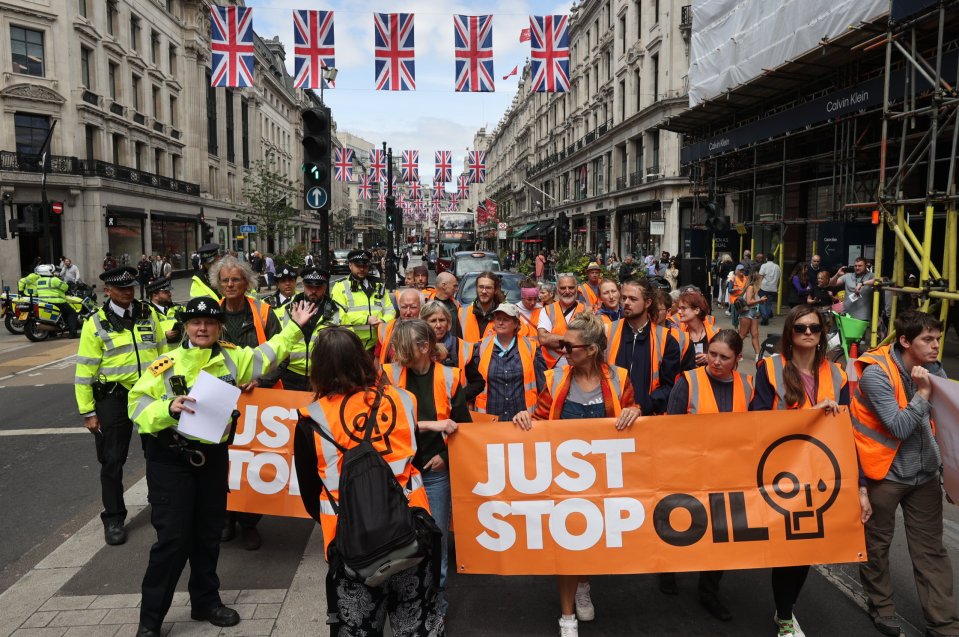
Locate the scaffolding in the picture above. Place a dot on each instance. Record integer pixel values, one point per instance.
(936, 106)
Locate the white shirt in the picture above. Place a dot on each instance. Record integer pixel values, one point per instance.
(526, 313)
(71, 274)
(771, 274)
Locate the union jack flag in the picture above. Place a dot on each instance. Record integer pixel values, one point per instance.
(454, 201)
(344, 164)
(463, 186)
(366, 187)
(381, 201)
(377, 165)
(395, 68)
(312, 48)
(231, 42)
(476, 161)
(438, 190)
(550, 53)
(416, 188)
(435, 205)
(473, 41)
(410, 166)
(444, 166)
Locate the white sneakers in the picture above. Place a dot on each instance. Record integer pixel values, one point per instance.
(584, 605)
(788, 627)
(568, 627)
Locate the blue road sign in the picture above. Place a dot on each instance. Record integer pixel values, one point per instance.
(248, 229)
(316, 198)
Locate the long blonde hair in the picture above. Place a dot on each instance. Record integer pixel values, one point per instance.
(593, 331)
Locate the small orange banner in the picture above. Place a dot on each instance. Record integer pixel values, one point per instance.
(672, 493)
(262, 476)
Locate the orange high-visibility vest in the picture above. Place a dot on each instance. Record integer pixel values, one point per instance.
(557, 389)
(469, 325)
(527, 354)
(384, 334)
(877, 447)
(395, 439)
(590, 298)
(829, 386)
(556, 317)
(261, 313)
(464, 354)
(702, 400)
(682, 337)
(445, 380)
(657, 348)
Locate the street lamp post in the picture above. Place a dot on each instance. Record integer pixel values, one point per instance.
(329, 74)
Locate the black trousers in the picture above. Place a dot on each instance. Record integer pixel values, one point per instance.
(188, 505)
(113, 444)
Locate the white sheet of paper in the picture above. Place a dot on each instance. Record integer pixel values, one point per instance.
(215, 402)
(945, 412)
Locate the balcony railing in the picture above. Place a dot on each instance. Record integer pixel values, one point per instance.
(635, 178)
(140, 119)
(158, 127)
(61, 164)
(686, 17)
(621, 182)
(116, 109)
(91, 98)
(175, 134)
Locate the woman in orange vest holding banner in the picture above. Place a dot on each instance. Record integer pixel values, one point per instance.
(711, 389)
(459, 353)
(800, 378)
(507, 363)
(693, 311)
(347, 388)
(438, 397)
(588, 387)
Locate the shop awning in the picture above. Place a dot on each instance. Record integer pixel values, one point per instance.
(541, 228)
(519, 232)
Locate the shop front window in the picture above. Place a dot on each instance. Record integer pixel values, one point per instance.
(125, 240)
(174, 239)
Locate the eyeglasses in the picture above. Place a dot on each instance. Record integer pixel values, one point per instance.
(232, 281)
(566, 346)
(811, 328)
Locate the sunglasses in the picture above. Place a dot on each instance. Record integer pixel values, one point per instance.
(812, 328)
(566, 346)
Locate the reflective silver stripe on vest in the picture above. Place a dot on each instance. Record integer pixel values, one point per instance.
(747, 388)
(119, 371)
(836, 381)
(657, 350)
(263, 359)
(416, 482)
(614, 382)
(777, 363)
(396, 372)
(876, 436)
(231, 367)
(86, 360)
(102, 333)
(448, 381)
(692, 379)
(143, 402)
(331, 455)
(325, 507)
(82, 380)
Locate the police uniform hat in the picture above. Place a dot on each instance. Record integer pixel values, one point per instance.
(208, 252)
(359, 256)
(286, 273)
(200, 307)
(122, 277)
(315, 276)
(163, 283)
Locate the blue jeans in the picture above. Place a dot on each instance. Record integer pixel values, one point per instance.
(768, 307)
(437, 485)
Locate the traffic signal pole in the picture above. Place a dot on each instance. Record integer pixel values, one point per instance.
(389, 272)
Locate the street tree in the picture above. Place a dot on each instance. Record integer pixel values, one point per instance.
(269, 196)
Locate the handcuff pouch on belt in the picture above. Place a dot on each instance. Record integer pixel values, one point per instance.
(184, 446)
(102, 388)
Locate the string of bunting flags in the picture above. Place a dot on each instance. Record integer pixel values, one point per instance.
(231, 43)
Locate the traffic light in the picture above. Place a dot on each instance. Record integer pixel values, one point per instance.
(31, 218)
(391, 214)
(317, 153)
(562, 229)
(206, 232)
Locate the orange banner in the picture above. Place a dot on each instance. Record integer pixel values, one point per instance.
(262, 476)
(672, 493)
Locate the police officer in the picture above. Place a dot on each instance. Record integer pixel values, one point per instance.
(364, 298)
(27, 285)
(50, 288)
(201, 286)
(186, 477)
(116, 345)
(285, 289)
(296, 370)
(161, 299)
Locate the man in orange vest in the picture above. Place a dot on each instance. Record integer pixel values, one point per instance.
(649, 352)
(421, 279)
(554, 318)
(589, 289)
(446, 284)
(409, 302)
(474, 318)
(899, 456)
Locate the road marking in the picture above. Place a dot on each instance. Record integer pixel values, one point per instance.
(43, 431)
(37, 374)
(7, 376)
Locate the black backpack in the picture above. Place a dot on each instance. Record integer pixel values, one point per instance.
(376, 530)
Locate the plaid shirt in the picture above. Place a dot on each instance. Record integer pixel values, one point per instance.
(504, 383)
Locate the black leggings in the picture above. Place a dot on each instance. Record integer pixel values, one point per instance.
(787, 583)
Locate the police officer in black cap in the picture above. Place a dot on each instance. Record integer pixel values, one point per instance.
(209, 253)
(296, 370)
(187, 477)
(116, 346)
(160, 293)
(363, 298)
(285, 288)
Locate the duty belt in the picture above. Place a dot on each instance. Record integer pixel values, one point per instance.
(185, 448)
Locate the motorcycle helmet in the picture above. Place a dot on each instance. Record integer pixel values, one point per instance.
(44, 270)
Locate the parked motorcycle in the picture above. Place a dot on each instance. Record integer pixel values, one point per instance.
(42, 319)
(8, 313)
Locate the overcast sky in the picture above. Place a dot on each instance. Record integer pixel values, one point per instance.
(433, 117)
